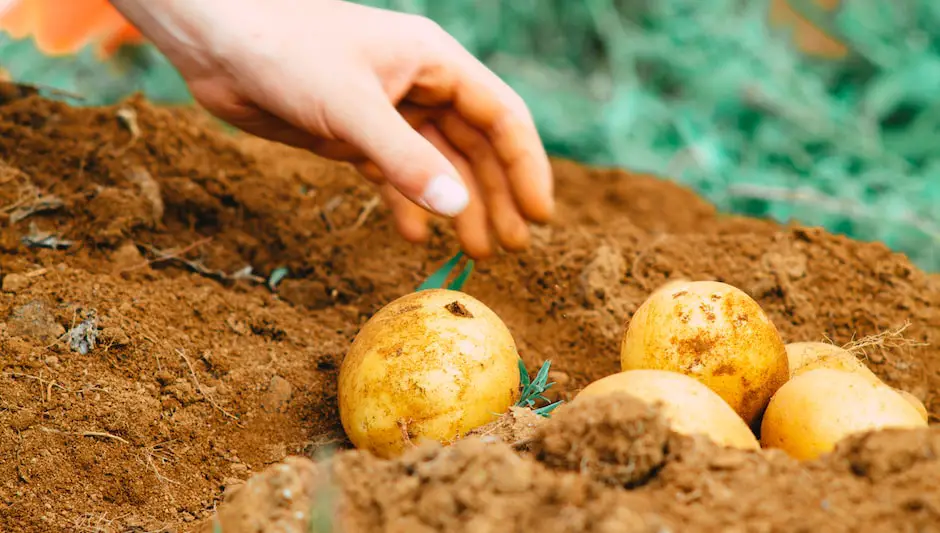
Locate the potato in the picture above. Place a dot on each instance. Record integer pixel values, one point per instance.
(433, 364)
(688, 405)
(815, 410)
(915, 401)
(715, 333)
(806, 356)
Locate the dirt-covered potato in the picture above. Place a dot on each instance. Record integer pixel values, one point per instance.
(806, 356)
(688, 405)
(815, 410)
(714, 333)
(431, 365)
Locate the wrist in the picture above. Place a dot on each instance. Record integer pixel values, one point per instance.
(178, 28)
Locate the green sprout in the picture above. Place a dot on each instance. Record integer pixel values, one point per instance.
(277, 275)
(438, 278)
(532, 389)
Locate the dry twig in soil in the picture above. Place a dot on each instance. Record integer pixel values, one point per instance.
(128, 118)
(367, 210)
(192, 372)
(31, 200)
(89, 434)
(164, 255)
(164, 455)
(42, 239)
(198, 267)
(45, 386)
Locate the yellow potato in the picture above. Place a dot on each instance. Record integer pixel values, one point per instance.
(688, 405)
(806, 356)
(815, 410)
(915, 401)
(800, 353)
(714, 333)
(430, 365)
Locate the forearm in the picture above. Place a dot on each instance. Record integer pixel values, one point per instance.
(174, 26)
(187, 31)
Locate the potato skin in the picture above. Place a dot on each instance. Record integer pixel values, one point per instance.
(688, 405)
(806, 356)
(714, 333)
(433, 365)
(915, 402)
(814, 411)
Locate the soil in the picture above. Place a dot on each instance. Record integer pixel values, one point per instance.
(148, 369)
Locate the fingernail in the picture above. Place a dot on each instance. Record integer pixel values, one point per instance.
(445, 195)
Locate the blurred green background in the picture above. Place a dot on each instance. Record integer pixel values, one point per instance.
(705, 93)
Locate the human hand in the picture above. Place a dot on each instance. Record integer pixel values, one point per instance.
(389, 92)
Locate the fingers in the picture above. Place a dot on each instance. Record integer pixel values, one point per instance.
(472, 225)
(511, 229)
(411, 221)
(371, 172)
(407, 160)
(491, 106)
(414, 115)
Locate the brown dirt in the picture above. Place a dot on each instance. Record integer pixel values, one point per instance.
(200, 377)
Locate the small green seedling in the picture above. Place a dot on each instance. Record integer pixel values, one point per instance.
(439, 278)
(532, 389)
(277, 275)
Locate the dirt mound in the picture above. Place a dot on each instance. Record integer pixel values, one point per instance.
(619, 440)
(677, 483)
(470, 486)
(705, 488)
(147, 366)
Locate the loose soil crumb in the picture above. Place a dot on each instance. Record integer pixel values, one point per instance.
(148, 368)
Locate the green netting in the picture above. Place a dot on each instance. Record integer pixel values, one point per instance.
(701, 92)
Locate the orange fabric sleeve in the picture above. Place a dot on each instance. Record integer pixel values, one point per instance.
(65, 27)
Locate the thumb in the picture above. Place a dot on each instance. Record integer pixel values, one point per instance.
(409, 162)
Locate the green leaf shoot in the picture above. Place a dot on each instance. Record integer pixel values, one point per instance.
(533, 389)
(438, 279)
(277, 275)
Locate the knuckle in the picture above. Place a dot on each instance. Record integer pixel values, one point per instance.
(427, 28)
(430, 36)
(477, 148)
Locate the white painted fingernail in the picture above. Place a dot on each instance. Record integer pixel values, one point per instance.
(445, 195)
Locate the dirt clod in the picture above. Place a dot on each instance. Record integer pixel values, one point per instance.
(34, 319)
(160, 376)
(618, 440)
(278, 394)
(516, 426)
(15, 282)
(475, 486)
